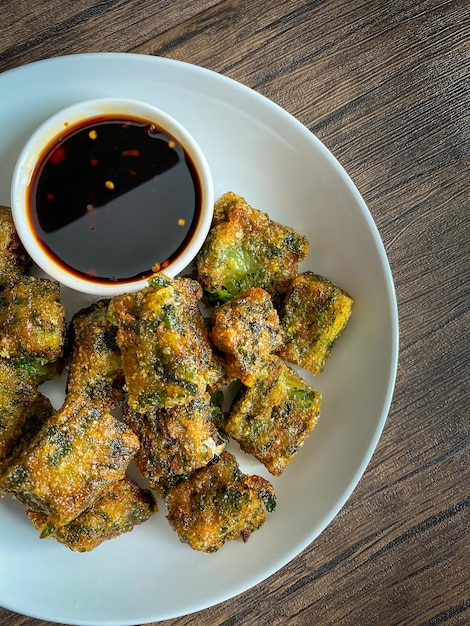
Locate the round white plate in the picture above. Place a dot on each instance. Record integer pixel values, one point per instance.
(262, 153)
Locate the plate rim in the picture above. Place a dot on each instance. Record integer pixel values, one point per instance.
(280, 562)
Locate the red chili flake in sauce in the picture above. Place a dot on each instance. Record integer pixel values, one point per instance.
(131, 153)
(58, 155)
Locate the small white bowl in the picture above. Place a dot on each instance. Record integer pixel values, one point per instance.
(51, 133)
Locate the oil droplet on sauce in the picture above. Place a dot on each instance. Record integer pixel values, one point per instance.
(112, 198)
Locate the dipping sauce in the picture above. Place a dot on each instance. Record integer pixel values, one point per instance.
(114, 199)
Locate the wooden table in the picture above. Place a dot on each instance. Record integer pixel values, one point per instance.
(386, 87)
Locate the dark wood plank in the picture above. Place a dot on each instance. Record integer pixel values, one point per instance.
(385, 85)
(38, 29)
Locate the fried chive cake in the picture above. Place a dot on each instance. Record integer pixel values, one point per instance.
(244, 249)
(23, 410)
(14, 260)
(94, 361)
(76, 454)
(219, 503)
(122, 506)
(247, 330)
(272, 419)
(174, 441)
(315, 313)
(32, 326)
(18, 400)
(166, 354)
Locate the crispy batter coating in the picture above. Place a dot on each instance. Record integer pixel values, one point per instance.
(247, 330)
(19, 400)
(95, 363)
(315, 313)
(218, 503)
(122, 506)
(175, 440)
(166, 354)
(23, 410)
(39, 412)
(272, 419)
(163, 486)
(37, 370)
(245, 248)
(14, 260)
(77, 453)
(32, 321)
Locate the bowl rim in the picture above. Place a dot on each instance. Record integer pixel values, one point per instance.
(49, 131)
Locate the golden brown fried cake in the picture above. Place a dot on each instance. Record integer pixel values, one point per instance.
(175, 440)
(37, 370)
(315, 313)
(14, 260)
(272, 419)
(219, 503)
(39, 412)
(247, 330)
(121, 507)
(16, 396)
(23, 410)
(245, 249)
(162, 486)
(95, 364)
(166, 354)
(32, 322)
(77, 453)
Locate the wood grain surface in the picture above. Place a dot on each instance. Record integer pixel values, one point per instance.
(386, 87)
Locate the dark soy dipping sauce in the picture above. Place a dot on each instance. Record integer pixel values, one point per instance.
(114, 199)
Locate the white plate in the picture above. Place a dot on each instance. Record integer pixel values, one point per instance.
(259, 151)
